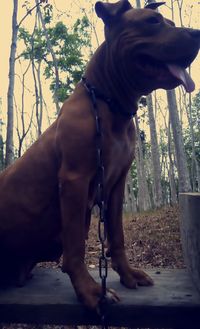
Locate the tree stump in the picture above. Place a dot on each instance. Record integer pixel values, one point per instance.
(190, 233)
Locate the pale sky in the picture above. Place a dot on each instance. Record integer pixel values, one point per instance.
(6, 7)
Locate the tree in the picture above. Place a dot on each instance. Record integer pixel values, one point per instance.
(22, 129)
(192, 142)
(129, 197)
(50, 49)
(10, 94)
(68, 47)
(1, 140)
(155, 156)
(144, 202)
(10, 112)
(183, 173)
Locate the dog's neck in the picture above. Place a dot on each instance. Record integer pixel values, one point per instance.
(105, 74)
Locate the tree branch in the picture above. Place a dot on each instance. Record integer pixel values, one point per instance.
(30, 11)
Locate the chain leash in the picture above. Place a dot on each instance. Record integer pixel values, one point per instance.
(101, 202)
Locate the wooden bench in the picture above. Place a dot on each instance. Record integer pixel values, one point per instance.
(49, 298)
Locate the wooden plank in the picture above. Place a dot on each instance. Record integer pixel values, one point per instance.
(49, 298)
(190, 233)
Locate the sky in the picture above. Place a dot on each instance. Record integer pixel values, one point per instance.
(6, 7)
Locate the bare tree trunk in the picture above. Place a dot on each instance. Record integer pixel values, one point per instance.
(9, 157)
(130, 203)
(155, 156)
(138, 4)
(10, 113)
(36, 94)
(195, 170)
(1, 140)
(183, 173)
(172, 183)
(49, 46)
(144, 202)
(23, 131)
(40, 113)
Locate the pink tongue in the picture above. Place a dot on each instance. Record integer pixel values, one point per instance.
(181, 74)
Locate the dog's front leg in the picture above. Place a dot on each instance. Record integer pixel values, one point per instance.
(73, 198)
(130, 277)
(73, 202)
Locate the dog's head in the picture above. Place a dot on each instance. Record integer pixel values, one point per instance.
(147, 49)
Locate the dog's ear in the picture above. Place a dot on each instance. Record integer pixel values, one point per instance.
(108, 12)
(154, 5)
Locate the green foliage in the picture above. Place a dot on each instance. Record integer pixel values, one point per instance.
(48, 13)
(68, 45)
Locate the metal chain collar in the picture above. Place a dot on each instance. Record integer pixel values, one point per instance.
(101, 202)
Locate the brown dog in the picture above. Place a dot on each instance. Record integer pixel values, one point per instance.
(47, 195)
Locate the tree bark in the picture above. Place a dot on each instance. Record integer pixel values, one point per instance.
(1, 140)
(183, 173)
(195, 170)
(173, 191)
(130, 203)
(40, 113)
(49, 46)
(155, 156)
(144, 202)
(10, 112)
(138, 4)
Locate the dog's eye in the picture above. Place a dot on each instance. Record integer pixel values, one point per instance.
(152, 20)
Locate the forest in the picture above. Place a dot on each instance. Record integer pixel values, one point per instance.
(50, 44)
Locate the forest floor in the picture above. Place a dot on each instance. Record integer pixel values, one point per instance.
(152, 240)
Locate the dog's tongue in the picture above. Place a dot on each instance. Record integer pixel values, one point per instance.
(182, 75)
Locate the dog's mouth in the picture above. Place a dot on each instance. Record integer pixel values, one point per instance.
(181, 74)
(171, 73)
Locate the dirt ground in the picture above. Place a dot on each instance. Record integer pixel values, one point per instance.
(152, 240)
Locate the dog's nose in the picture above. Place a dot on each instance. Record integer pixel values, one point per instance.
(194, 33)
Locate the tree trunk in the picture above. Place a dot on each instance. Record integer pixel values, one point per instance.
(155, 156)
(49, 46)
(172, 183)
(183, 173)
(144, 202)
(40, 114)
(138, 4)
(129, 198)
(195, 170)
(37, 101)
(1, 140)
(10, 112)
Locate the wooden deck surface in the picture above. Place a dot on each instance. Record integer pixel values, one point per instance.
(49, 298)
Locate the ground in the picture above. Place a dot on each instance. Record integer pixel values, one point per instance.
(152, 240)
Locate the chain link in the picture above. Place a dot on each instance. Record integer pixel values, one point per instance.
(101, 202)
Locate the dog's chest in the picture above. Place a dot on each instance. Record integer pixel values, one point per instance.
(117, 156)
(117, 159)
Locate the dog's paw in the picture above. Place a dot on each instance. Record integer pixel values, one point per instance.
(90, 294)
(112, 297)
(133, 278)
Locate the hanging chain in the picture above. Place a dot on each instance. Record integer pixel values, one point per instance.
(103, 263)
